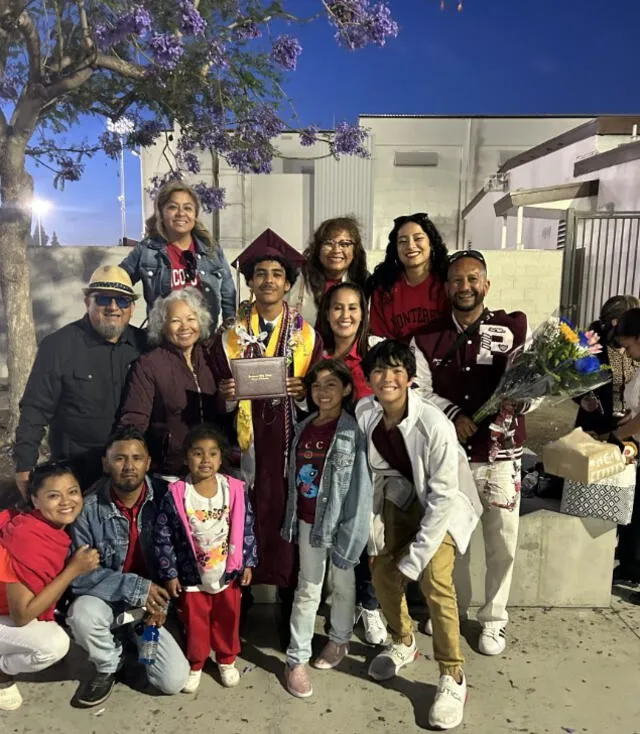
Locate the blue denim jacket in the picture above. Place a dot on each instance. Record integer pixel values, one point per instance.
(345, 497)
(102, 526)
(149, 262)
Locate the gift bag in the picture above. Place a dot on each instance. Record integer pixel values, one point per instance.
(582, 458)
(608, 499)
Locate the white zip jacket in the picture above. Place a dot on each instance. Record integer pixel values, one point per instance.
(442, 477)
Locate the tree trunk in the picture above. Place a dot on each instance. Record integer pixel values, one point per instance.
(16, 188)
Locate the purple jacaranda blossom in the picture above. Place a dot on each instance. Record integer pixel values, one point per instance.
(309, 135)
(137, 22)
(167, 50)
(211, 197)
(217, 55)
(246, 30)
(157, 182)
(110, 143)
(250, 160)
(359, 23)
(190, 161)
(146, 132)
(349, 140)
(285, 52)
(191, 21)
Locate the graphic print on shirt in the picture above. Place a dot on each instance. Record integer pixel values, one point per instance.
(494, 339)
(184, 267)
(305, 481)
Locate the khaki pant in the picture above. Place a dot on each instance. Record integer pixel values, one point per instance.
(400, 529)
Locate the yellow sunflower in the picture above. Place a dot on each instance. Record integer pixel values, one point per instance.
(568, 333)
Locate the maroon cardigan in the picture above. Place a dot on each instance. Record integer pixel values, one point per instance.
(163, 400)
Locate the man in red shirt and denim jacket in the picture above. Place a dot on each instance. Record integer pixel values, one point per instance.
(460, 360)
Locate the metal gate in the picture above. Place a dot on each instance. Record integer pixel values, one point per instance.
(601, 259)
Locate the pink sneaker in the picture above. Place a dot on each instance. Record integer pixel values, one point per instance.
(331, 656)
(298, 681)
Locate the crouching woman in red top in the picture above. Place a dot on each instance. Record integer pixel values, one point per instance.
(34, 573)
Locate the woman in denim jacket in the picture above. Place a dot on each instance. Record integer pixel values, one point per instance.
(328, 513)
(178, 252)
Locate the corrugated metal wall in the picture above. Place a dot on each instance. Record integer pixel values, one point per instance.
(344, 187)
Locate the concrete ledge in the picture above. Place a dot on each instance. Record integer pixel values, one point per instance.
(561, 561)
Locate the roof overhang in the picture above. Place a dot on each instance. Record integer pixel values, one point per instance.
(548, 195)
(613, 157)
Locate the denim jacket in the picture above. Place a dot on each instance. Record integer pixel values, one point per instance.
(102, 526)
(149, 262)
(345, 497)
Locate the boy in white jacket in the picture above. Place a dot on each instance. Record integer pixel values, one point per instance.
(425, 507)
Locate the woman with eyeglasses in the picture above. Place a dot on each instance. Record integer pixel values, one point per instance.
(172, 388)
(335, 255)
(407, 287)
(178, 252)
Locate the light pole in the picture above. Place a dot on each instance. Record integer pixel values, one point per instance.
(122, 127)
(40, 207)
(138, 155)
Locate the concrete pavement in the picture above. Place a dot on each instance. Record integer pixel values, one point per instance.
(570, 671)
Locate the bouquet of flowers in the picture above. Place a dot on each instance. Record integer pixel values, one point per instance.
(560, 362)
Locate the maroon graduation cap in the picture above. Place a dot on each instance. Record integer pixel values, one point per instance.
(266, 245)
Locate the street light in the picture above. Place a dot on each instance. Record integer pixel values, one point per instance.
(138, 155)
(122, 127)
(39, 207)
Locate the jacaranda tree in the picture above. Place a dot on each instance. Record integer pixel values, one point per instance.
(210, 68)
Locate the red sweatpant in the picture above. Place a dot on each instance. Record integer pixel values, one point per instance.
(212, 622)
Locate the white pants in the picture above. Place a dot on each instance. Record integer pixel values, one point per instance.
(499, 489)
(30, 648)
(313, 564)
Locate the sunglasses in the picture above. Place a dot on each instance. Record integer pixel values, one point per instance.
(104, 299)
(191, 269)
(475, 254)
(420, 216)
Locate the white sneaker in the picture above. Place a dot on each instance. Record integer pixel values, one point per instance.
(193, 681)
(392, 659)
(375, 630)
(10, 698)
(447, 710)
(229, 675)
(492, 641)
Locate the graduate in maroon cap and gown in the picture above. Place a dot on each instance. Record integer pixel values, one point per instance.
(268, 327)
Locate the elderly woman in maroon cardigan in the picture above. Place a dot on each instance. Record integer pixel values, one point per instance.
(172, 388)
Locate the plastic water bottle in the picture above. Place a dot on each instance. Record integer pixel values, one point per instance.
(149, 637)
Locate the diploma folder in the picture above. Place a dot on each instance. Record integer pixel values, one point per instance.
(260, 378)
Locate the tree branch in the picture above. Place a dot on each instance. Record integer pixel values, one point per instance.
(124, 68)
(32, 40)
(84, 24)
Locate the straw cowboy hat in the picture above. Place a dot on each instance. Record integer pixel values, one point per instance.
(113, 279)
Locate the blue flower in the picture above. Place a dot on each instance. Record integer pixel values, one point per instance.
(588, 364)
(285, 52)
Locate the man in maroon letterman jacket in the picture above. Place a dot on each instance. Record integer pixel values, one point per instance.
(460, 359)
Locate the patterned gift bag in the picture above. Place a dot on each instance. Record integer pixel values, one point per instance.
(609, 499)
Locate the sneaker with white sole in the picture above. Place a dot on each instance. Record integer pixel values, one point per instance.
(10, 697)
(492, 641)
(375, 630)
(331, 656)
(229, 675)
(447, 710)
(297, 680)
(193, 681)
(392, 659)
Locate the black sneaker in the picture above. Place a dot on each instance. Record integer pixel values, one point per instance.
(623, 577)
(97, 690)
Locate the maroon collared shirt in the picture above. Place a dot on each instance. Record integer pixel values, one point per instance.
(134, 561)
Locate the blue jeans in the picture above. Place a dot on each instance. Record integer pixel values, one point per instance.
(91, 622)
(365, 593)
(313, 564)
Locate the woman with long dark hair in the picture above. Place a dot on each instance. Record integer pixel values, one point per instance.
(601, 409)
(334, 255)
(407, 287)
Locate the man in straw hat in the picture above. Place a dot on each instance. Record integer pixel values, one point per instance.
(77, 379)
(269, 328)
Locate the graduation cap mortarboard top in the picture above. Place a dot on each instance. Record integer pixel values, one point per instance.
(268, 244)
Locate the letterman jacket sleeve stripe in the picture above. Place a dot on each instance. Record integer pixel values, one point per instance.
(424, 384)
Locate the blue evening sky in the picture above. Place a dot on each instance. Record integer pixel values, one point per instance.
(497, 57)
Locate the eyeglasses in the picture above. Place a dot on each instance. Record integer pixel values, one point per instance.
(104, 299)
(340, 244)
(475, 254)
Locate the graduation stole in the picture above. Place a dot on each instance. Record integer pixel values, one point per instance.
(292, 337)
